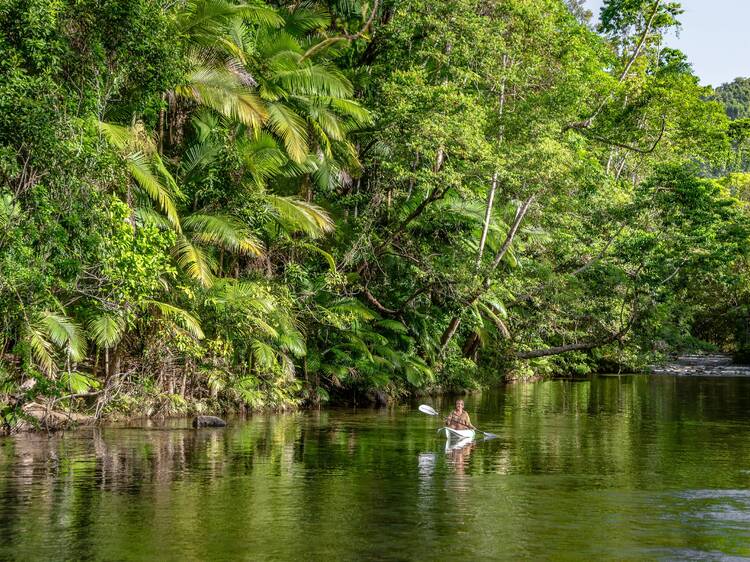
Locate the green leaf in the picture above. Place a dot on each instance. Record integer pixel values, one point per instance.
(77, 382)
(196, 263)
(264, 354)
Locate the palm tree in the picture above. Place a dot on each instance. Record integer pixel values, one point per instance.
(249, 65)
(151, 179)
(216, 78)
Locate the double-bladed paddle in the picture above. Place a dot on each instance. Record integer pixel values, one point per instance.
(430, 411)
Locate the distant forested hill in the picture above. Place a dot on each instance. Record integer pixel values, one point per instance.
(736, 97)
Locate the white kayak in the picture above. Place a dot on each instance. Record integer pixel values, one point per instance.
(453, 445)
(451, 433)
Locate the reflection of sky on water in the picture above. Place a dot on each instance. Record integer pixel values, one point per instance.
(719, 509)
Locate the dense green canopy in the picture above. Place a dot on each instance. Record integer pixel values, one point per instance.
(207, 204)
(735, 96)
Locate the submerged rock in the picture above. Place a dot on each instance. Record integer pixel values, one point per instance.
(208, 421)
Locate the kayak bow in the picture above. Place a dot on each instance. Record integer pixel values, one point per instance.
(451, 433)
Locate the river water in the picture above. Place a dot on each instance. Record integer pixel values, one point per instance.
(624, 468)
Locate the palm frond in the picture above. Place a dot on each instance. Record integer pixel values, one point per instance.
(179, 316)
(393, 325)
(196, 263)
(41, 349)
(297, 215)
(148, 216)
(328, 257)
(222, 91)
(47, 330)
(107, 329)
(203, 19)
(417, 371)
(78, 382)
(243, 295)
(353, 110)
(293, 342)
(223, 231)
(314, 80)
(64, 333)
(264, 354)
(262, 157)
(262, 326)
(290, 127)
(260, 14)
(303, 20)
(118, 136)
(197, 158)
(140, 167)
(354, 308)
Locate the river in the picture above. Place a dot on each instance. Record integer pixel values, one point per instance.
(625, 468)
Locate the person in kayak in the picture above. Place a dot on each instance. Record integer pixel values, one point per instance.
(459, 418)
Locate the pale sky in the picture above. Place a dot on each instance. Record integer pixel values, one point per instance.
(714, 36)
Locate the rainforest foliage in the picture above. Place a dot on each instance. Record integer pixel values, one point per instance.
(208, 205)
(735, 96)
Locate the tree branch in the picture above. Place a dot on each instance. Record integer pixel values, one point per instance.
(347, 37)
(586, 123)
(374, 302)
(434, 196)
(628, 146)
(584, 346)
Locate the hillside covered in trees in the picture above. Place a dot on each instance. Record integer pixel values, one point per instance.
(208, 205)
(735, 96)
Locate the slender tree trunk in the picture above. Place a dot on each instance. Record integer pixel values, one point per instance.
(450, 331)
(161, 124)
(487, 218)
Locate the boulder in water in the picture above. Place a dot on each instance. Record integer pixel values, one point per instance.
(208, 421)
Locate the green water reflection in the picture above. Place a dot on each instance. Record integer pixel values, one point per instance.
(619, 468)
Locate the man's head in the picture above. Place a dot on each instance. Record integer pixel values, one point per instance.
(459, 405)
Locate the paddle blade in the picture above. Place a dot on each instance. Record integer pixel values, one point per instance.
(425, 409)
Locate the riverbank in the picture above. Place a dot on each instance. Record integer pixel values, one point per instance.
(703, 365)
(42, 414)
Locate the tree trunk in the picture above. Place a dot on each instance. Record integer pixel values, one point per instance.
(450, 331)
(487, 218)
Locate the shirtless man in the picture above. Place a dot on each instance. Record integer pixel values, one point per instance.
(459, 418)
